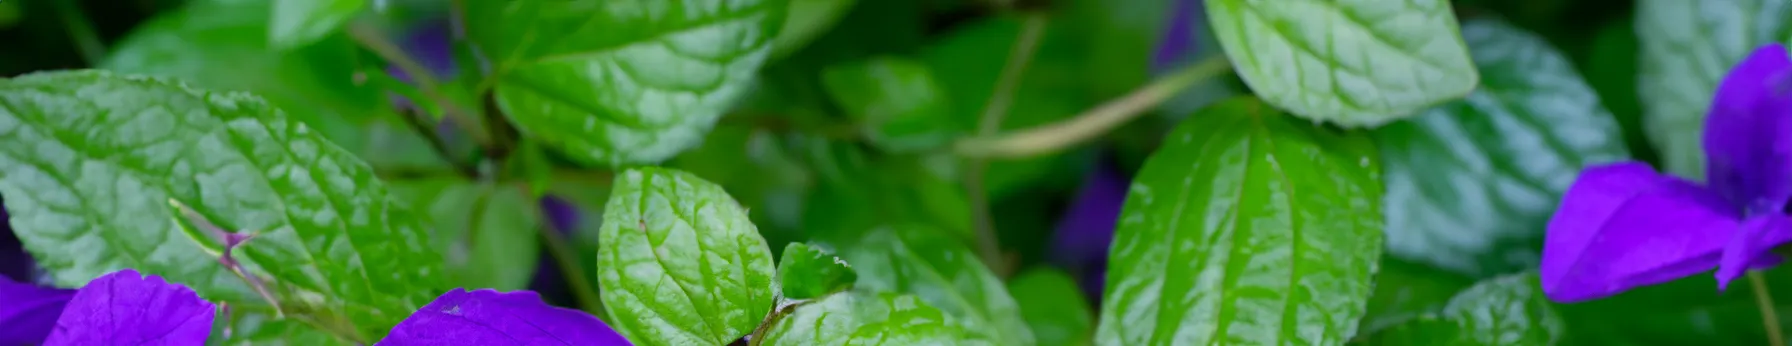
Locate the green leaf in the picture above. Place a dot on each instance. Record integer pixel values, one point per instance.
(1406, 290)
(870, 319)
(294, 23)
(942, 271)
(1687, 48)
(486, 233)
(1357, 63)
(1248, 226)
(1682, 312)
(96, 158)
(248, 329)
(1507, 310)
(807, 20)
(812, 271)
(679, 263)
(223, 45)
(1053, 307)
(896, 101)
(1471, 184)
(620, 82)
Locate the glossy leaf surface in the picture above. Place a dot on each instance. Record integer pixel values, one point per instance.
(1248, 226)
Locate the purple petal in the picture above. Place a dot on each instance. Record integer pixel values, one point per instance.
(1748, 133)
(1177, 40)
(28, 312)
(127, 308)
(1623, 225)
(487, 317)
(1087, 227)
(1752, 247)
(562, 215)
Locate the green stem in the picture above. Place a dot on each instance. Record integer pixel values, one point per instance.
(1770, 318)
(1057, 136)
(988, 247)
(80, 29)
(569, 265)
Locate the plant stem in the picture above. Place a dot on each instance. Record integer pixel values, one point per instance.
(1770, 318)
(1057, 136)
(988, 244)
(370, 37)
(80, 29)
(569, 265)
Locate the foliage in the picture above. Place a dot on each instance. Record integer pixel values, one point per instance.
(823, 172)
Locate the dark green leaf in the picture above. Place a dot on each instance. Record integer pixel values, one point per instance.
(1688, 311)
(1053, 307)
(96, 158)
(968, 61)
(294, 23)
(1687, 47)
(942, 271)
(810, 271)
(1507, 310)
(870, 319)
(223, 45)
(1406, 290)
(896, 101)
(487, 233)
(679, 263)
(807, 20)
(1350, 62)
(1248, 226)
(1471, 184)
(617, 82)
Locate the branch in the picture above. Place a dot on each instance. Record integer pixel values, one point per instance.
(988, 244)
(1057, 136)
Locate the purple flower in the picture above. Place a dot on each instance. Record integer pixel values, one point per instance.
(29, 312)
(126, 307)
(1177, 41)
(1624, 225)
(121, 308)
(1087, 227)
(487, 317)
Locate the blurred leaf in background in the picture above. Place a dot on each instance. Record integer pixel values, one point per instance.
(1470, 184)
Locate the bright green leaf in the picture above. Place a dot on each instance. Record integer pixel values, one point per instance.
(1357, 63)
(807, 20)
(96, 158)
(258, 329)
(870, 319)
(1248, 226)
(486, 233)
(1471, 184)
(619, 82)
(1686, 48)
(679, 263)
(222, 45)
(294, 23)
(1053, 307)
(942, 271)
(812, 271)
(896, 101)
(1507, 310)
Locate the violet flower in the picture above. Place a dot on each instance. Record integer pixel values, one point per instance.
(121, 308)
(1178, 41)
(1087, 227)
(126, 307)
(1624, 225)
